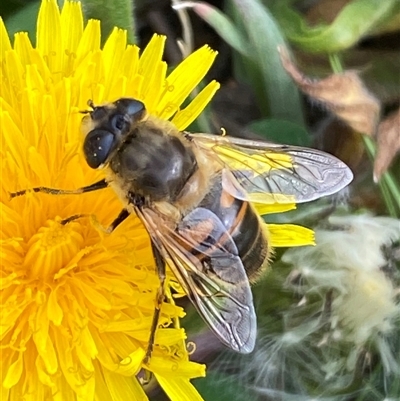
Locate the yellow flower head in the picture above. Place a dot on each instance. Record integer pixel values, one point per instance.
(76, 304)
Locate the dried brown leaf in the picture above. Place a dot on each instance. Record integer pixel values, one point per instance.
(343, 94)
(388, 139)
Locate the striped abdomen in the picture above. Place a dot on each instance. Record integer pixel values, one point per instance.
(243, 224)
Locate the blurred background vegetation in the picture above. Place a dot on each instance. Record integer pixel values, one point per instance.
(304, 102)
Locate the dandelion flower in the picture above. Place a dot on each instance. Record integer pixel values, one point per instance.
(77, 304)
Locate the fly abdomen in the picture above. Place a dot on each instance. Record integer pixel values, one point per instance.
(251, 242)
(243, 224)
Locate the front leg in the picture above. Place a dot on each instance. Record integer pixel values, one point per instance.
(117, 221)
(55, 191)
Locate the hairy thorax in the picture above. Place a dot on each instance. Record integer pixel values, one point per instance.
(164, 168)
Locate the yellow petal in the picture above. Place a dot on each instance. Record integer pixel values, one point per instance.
(131, 365)
(151, 93)
(175, 368)
(268, 208)
(123, 388)
(113, 52)
(14, 371)
(5, 44)
(71, 33)
(149, 64)
(50, 46)
(283, 235)
(183, 118)
(151, 54)
(90, 40)
(23, 47)
(184, 79)
(178, 389)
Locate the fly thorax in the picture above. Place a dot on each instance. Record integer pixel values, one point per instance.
(154, 164)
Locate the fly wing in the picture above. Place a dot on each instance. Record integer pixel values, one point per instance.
(273, 173)
(205, 260)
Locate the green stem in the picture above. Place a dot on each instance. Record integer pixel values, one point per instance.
(336, 64)
(393, 187)
(387, 185)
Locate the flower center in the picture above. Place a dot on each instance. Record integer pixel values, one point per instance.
(52, 248)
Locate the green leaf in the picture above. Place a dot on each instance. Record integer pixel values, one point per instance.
(254, 35)
(277, 94)
(111, 13)
(391, 25)
(24, 20)
(281, 131)
(355, 20)
(223, 26)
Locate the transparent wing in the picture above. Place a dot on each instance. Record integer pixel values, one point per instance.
(273, 173)
(205, 260)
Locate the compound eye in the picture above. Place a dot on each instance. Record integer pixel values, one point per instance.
(135, 109)
(97, 147)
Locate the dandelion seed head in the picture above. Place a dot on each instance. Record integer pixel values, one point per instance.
(341, 321)
(349, 260)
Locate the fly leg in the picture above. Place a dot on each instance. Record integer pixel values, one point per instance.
(138, 202)
(89, 188)
(160, 269)
(118, 220)
(55, 191)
